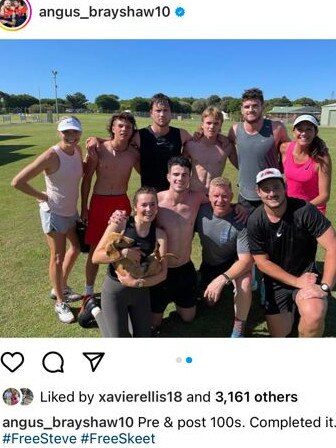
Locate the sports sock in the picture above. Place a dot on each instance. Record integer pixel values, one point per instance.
(89, 290)
(238, 328)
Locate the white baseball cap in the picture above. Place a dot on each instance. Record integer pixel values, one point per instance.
(305, 117)
(268, 173)
(69, 123)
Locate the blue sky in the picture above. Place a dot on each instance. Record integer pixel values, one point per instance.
(198, 68)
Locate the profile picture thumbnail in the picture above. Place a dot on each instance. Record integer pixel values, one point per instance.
(11, 396)
(14, 14)
(26, 396)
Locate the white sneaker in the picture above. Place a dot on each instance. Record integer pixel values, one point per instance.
(68, 294)
(64, 313)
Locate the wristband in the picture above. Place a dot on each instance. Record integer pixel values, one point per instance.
(228, 281)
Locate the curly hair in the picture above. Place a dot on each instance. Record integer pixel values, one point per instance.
(160, 98)
(253, 94)
(126, 116)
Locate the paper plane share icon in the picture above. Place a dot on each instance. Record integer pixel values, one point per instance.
(94, 358)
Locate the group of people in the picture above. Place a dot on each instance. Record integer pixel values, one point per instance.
(183, 191)
(13, 13)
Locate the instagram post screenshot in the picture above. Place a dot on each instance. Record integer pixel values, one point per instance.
(167, 226)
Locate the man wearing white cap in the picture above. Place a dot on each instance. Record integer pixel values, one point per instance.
(307, 164)
(62, 167)
(283, 235)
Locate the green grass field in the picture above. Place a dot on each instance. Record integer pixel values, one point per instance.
(26, 310)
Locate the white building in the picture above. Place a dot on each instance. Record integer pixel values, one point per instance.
(328, 115)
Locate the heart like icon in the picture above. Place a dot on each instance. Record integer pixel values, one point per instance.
(12, 361)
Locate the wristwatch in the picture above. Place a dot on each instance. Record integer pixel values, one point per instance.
(228, 281)
(325, 287)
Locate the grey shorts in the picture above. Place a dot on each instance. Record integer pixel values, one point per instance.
(56, 223)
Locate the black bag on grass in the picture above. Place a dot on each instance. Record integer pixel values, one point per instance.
(81, 230)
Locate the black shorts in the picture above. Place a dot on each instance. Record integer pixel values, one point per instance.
(208, 272)
(279, 298)
(179, 287)
(250, 205)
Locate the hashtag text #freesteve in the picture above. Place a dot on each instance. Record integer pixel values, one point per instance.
(45, 438)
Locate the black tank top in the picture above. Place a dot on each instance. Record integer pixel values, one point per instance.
(155, 151)
(146, 244)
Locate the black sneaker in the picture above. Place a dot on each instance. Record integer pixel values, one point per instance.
(155, 332)
(85, 318)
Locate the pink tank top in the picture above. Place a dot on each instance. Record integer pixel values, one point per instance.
(301, 178)
(63, 185)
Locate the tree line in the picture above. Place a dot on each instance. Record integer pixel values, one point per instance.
(107, 103)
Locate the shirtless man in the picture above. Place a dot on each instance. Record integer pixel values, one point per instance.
(157, 143)
(209, 153)
(178, 208)
(112, 162)
(257, 141)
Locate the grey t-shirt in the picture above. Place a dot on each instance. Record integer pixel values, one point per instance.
(222, 239)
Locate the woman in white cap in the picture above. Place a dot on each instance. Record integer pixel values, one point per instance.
(307, 164)
(63, 168)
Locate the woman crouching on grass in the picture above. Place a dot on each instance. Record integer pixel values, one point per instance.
(63, 168)
(124, 296)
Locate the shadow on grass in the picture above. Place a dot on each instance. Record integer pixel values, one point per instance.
(215, 321)
(8, 153)
(11, 137)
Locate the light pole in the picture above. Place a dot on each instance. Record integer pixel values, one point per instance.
(40, 105)
(54, 73)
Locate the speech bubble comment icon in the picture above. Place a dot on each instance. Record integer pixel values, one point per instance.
(53, 362)
(12, 361)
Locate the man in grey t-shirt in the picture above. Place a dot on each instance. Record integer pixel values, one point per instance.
(226, 255)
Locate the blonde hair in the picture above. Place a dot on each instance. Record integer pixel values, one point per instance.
(221, 182)
(210, 111)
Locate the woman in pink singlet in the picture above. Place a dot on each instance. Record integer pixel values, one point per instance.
(307, 164)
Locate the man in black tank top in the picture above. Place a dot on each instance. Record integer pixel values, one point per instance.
(155, 152)
(158, 143)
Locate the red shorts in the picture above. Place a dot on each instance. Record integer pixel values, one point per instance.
(101, 208)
